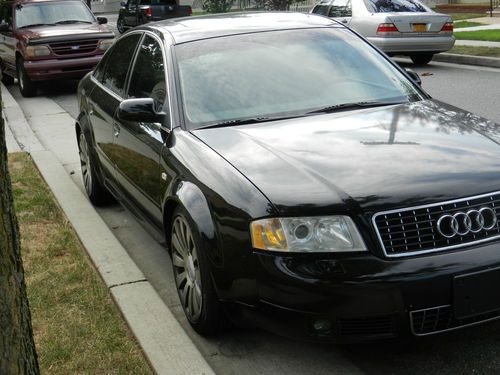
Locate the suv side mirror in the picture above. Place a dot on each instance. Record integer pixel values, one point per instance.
(140, 110)
(414, 76)
(102, 20)
(122, 4)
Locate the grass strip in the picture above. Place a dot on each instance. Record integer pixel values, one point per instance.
(461, 24)
(464, 16)
(476, 51)
(77, 327)
(485, 35)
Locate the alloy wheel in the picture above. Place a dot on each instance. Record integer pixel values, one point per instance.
(85, 163)
(186, 269)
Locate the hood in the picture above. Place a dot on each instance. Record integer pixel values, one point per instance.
(378, 158)
(48, 34)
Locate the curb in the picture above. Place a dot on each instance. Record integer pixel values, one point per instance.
(492, 62)
(167, 347)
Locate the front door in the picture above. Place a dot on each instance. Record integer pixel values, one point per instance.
(138, 145)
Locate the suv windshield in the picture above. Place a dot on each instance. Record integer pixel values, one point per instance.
(384, 6)
(282, 74)
(52, 13)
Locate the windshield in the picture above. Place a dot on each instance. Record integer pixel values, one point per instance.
(283, 73)
(384, 6)
(52, 13)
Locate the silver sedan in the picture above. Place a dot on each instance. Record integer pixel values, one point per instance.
(397, 27)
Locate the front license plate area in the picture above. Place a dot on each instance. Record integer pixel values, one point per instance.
(419, 27)
(476, 293)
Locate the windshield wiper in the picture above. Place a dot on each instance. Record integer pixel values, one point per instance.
(343, 106)
(71, 21)
(245, 121)
(37, 24)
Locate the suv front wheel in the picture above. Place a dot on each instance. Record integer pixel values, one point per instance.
(26, 85)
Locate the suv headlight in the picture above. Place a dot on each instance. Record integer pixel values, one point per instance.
(307, 234)
(105, 44)
(33, 51)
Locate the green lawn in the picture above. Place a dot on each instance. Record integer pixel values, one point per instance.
(485, 35)
(460, 24)
(77, 327)
(476, 51)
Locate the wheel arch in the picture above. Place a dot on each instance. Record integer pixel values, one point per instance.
(190, 196)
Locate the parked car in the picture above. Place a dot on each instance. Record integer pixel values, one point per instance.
(138, 12)
(298, 176)
(49, 39)
(397, 27)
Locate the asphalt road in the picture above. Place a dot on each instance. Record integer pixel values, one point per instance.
(245, 350)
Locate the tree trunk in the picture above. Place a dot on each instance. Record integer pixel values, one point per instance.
(17, 348)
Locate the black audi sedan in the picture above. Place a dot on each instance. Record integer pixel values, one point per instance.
(298, 177)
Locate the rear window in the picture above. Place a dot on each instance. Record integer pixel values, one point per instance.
(384, 6)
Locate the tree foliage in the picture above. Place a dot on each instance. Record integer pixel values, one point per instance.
(217, 6)
(17, 349)
(273, 4)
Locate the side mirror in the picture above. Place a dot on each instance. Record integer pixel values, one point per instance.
(5, 27)
(122, 4)
(102, 20)
(140, 110)
(414, 76)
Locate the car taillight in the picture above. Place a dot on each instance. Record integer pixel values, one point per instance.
(447, 27)
(387, 28)
(190, 10)
(149, 12)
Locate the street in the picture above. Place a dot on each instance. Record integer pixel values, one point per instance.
(245, 350)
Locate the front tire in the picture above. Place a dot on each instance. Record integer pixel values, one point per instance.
(192, 276)
(96, 191)
(26, 85)
(423, 59)
(120, 26)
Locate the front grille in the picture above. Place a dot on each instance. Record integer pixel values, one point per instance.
(74, 47)
(411, 231)
(380, 325)
(439, 319)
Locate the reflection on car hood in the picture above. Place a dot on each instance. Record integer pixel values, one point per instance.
(44, 34)
(379, 158)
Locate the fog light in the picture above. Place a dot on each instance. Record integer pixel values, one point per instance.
(322, 326)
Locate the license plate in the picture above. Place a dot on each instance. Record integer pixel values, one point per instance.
(419, 27)
(476, 293)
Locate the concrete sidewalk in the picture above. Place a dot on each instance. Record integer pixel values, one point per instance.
(164, 342)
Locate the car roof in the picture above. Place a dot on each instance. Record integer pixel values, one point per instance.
(188, 29)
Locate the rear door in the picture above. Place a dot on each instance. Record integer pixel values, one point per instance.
(341, 10)
(110, 77)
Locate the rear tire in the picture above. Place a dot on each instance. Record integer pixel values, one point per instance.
(192, 276)
(423, 59)
(26, 85)
(96, 191)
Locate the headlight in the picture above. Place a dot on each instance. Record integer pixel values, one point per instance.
(307, 234)
(105, 44)
(32, 51)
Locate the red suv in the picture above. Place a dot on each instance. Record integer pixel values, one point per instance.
(49, 39)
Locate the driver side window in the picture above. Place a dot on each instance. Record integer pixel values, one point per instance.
(148, 76)
(341, 8)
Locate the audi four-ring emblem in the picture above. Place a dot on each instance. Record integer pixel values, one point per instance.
(462, 223)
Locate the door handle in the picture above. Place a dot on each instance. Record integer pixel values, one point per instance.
(116, 129)
(344, 21)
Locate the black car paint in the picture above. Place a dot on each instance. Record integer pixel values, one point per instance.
(227, 177)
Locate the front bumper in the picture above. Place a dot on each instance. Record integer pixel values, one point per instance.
(415, 44)
(43, 70)
(361, 298)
